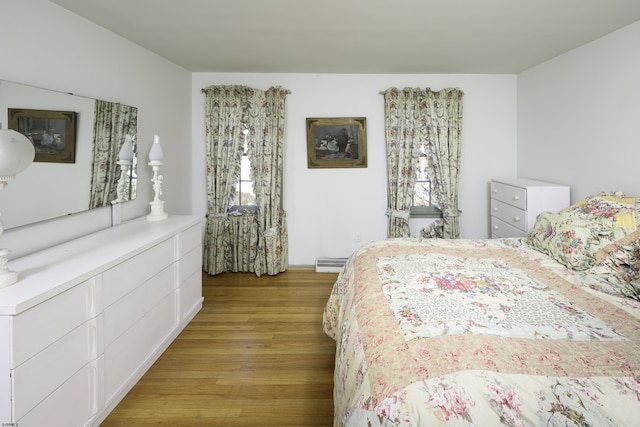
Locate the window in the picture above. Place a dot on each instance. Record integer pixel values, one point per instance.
(244, 197)
(422, 203)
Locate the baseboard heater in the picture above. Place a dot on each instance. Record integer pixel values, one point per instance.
(330, 265)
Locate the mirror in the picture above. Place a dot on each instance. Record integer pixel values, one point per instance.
(96, 177)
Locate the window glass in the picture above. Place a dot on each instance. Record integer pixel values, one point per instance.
(244, 187)
(422, 202)
(244, 195)
(422, 189)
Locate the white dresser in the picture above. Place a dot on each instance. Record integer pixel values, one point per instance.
(89, 317)
(515, 204)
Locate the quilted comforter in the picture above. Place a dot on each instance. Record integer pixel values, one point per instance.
(478, 332)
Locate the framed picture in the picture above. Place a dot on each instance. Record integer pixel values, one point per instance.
(53, 133)
(337, 142)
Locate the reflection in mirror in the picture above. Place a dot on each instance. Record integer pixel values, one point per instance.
(98, 177)
(112, 124)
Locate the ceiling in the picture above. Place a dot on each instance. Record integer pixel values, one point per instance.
(358, 36)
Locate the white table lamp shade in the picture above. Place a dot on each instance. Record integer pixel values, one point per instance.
(155, 154)
(16, 153)
(126, 152)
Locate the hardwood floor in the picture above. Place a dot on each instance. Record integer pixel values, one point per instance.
(255, 355)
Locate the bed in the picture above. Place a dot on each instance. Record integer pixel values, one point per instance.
(541, 330)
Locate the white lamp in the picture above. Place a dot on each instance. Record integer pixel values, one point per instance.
(126, 152)
(125, 159)
(155, 154)
(16, 154)
(155, 161)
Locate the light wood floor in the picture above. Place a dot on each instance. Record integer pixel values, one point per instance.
(255, 355)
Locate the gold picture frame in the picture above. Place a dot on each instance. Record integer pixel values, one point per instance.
(53, 133)
(337, 142)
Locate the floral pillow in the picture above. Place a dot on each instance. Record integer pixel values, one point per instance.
(571, 240)
(618, 207)
(618, 264)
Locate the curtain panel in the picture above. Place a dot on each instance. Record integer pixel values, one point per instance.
(405, 132)
(444, 112)
(422, 120)
(248, 240)
(224, 116)
(265, 151)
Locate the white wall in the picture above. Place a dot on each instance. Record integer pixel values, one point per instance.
(328, 208)
(578, 117)
(45, 45)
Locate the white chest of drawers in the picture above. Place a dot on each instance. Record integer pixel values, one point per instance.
(87, 318)
(515, 204)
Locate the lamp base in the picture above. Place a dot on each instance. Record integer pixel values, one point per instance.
(7, 277)
(157, 212)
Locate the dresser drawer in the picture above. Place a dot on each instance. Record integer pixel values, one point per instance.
(72, 404)
(39, 376)
(510, 195)
(189, 239)
(128, 353)
(123, 314)
(161, 320)
(128, 310)
(125, 277)
(47, 322)
(511, 215)
(189, 264)
(500, 228)
(190, 294)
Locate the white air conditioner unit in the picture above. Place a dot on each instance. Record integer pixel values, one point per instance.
(330, 265)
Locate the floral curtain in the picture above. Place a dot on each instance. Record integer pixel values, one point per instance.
(415, 120)
(112, 122)
(444, 113)
(265, 151)
(405, 133)
(248, 240)
(224, 118)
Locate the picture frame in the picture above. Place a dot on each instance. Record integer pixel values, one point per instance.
(337, 142)
(53, 133)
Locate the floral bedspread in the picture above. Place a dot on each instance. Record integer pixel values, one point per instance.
(478, 332)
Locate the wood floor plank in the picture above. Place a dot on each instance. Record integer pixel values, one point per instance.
(255, 355)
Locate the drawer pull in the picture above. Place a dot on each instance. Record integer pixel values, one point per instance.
(495, 209)
(516, 219)
(516, 198)
(495, 227)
